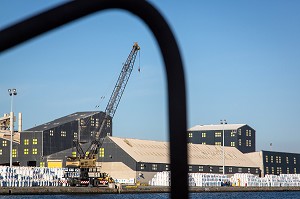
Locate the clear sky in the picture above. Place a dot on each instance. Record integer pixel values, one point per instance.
(242, 64)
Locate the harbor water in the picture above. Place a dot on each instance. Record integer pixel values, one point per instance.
(226, 195)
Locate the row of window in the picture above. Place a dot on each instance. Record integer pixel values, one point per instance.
(153, 167)
(278, 159)
(248, 143)
(220, 143)
(94, 123)
(14, 153)
(26, 142)
(63, 134)
(230, 169)
(26, 152)
(200, 168)
(271, 170)
(75, 134)
(219, 134)
(34, 151)
(101, 153)
(34, 141)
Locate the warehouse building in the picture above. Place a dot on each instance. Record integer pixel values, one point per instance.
(49, 144)
(5, 140)
(34, 145)
(240, 136)
(5, 148)
(276, 163)
(125, 158)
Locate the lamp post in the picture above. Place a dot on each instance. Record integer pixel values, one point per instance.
(11, 92)
(223, 122)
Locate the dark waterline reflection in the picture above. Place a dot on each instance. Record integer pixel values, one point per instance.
(226, 195)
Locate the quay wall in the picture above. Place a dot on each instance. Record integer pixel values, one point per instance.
(130, 189)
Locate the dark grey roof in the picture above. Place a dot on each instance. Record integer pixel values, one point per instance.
(67, 152)
(63, 120)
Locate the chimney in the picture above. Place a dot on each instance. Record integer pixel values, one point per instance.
(20, 122)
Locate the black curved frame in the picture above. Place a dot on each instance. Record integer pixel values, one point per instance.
(53, 18)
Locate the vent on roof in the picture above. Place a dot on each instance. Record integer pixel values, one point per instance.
(127, 142)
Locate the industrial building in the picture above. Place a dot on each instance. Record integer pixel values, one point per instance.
(240, 136)
(33, 146)
(142, 159)
(276, 163)
(5, 139)
(5, 148)
(139, 160)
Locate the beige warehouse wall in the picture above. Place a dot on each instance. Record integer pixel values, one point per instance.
(117, 170)
(257, 158)
(147, 177)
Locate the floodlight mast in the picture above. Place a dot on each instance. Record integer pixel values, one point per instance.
(11, 92)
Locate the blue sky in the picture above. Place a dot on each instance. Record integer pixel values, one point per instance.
(242, 64)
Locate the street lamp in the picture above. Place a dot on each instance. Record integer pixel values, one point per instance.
(223, 122)
(11, 92)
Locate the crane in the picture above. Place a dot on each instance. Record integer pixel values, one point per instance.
(114, 98)
(86, 160)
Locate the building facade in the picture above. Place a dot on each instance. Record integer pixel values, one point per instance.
(141, 159)
(240, 136)
(5, 151)
(36, 144)
(276, 163)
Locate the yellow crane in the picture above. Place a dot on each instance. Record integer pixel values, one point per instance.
(86, 161)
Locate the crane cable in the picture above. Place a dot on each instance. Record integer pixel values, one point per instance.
(107, 90)
(139, 69)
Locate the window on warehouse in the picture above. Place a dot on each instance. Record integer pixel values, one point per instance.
(26, 151)
(34, 141)
(101, 152)
(34, 151)
(26, 141)
(14, 153)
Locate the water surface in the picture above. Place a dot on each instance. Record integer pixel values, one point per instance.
(226, 195)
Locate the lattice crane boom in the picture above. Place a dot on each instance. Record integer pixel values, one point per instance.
(114, 99)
